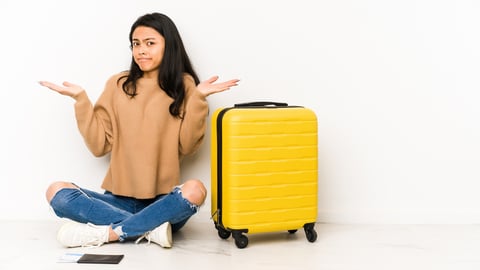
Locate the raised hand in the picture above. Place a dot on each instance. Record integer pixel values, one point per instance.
(68, 89)
(209, 86)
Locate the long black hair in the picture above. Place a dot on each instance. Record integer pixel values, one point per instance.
(174, 65)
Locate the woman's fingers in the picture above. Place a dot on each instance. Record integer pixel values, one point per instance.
(68, 89)
(208, 87)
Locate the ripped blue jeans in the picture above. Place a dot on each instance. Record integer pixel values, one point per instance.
(129, 216)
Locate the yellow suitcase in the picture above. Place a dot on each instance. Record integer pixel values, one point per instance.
(264, 170)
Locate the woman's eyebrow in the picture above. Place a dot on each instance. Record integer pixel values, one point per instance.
(145, 39)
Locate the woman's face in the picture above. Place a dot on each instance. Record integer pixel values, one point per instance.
(148, 47)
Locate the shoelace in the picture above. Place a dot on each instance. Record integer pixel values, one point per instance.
(92, 244)
(144, 236)
(95, 240)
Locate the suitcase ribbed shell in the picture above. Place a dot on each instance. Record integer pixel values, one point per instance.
(264, 168)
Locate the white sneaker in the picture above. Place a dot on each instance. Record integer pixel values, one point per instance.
(74, 234)
(161, 235)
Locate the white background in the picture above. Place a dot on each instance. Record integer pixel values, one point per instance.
(394, 85)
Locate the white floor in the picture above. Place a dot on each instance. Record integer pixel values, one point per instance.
(32, 245)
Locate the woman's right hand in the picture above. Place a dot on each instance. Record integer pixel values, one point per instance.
(68, 89)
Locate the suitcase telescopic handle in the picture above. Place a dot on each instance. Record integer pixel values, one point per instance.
(261, 104)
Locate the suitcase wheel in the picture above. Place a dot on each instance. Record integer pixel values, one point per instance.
(310, 232)
(222, 233)
(241, 240)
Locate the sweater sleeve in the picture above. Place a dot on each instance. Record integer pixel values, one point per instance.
(194, 122)
(94, 122)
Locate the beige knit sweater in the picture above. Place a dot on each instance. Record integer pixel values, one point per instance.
(145, 141)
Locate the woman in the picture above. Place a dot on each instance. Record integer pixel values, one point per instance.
(148, 118)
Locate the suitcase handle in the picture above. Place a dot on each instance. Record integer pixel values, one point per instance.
(261, 104)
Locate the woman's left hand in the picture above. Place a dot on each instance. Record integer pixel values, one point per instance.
(209, 86)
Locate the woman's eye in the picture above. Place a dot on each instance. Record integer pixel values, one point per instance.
(150, 43)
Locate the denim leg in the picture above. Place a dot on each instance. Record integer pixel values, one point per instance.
(77, 205)
(177, 226)
(171, 207)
